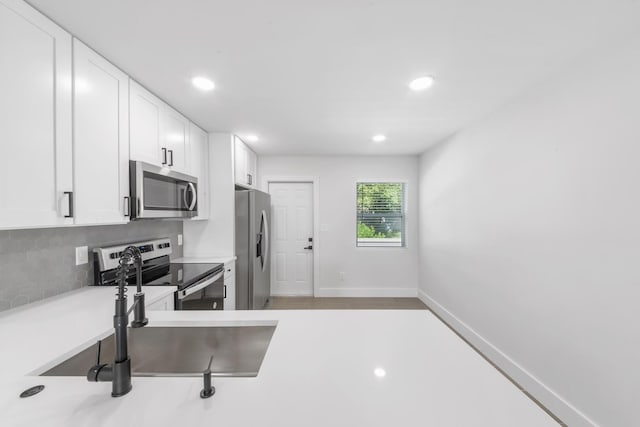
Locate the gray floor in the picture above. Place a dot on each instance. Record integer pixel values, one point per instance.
(311, 303)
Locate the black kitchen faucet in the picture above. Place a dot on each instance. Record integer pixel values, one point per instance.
(119, 373)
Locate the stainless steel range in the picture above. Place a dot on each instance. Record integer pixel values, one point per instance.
(200, 286)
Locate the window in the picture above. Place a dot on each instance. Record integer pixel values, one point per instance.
(380, 214)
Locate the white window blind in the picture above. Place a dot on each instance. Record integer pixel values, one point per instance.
(380, 214)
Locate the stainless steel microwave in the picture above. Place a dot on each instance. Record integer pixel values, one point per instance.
(158, 192)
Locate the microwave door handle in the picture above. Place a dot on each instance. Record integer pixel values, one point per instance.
(194, 199)
(184, 197)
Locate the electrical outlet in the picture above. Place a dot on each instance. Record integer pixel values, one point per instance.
(342, 276)
(82, 255)
(179, 239)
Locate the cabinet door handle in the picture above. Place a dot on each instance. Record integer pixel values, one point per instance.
(225, 291)
(70, 212)
(171, 161)
(249, 179)
(127, 206)
(164, 156)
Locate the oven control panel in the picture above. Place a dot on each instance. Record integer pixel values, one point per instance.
(108, 257)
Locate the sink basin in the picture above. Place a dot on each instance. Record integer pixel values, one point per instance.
(237, 351)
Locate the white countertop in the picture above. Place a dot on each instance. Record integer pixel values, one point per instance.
(206, 260)
(318, 371)
(38, 333)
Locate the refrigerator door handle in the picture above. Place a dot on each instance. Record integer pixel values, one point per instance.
(264, 231)
(259, 245)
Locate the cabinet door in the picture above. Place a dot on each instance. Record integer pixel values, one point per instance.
(35, 118)
(230, 288)
(174, 138)
(165, 304)
(199, 167)
(101, 139)
(240, 162)
(252, 165)
(145, 110)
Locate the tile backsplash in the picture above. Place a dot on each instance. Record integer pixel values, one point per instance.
(39, 263)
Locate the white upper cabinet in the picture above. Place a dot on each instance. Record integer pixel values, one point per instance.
(199, 167)
(101, 139)
(174, 128)
(240, 161)
(245, 163)
(145, 110)
(35, 118)
(252, 168)
(70, 122)
(159, 134)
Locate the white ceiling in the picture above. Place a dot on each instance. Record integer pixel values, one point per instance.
(323, 76)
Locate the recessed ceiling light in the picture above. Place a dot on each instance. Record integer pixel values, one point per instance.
(379, 138)
(421, 83)
(379, 372)
(203, 83)
(252, 138)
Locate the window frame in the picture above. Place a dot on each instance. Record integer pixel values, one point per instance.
(405, 190)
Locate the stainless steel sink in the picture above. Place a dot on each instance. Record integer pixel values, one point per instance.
(237, 351)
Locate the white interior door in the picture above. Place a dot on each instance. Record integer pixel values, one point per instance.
(292, 223)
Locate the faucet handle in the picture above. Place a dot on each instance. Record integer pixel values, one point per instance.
(99, 348)
(98, 370)
(208, 390)
(139, 316)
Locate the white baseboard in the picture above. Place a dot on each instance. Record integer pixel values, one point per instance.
(547, 397)
(289, 294)
(368, 292)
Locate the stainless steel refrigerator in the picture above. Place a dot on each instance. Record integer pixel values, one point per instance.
(253, 266)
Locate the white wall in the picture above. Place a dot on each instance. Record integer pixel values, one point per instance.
(368, 271)
(530, 238)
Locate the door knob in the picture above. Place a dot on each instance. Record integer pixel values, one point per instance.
(308, 247)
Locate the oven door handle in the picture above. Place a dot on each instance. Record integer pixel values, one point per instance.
(197, 287)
